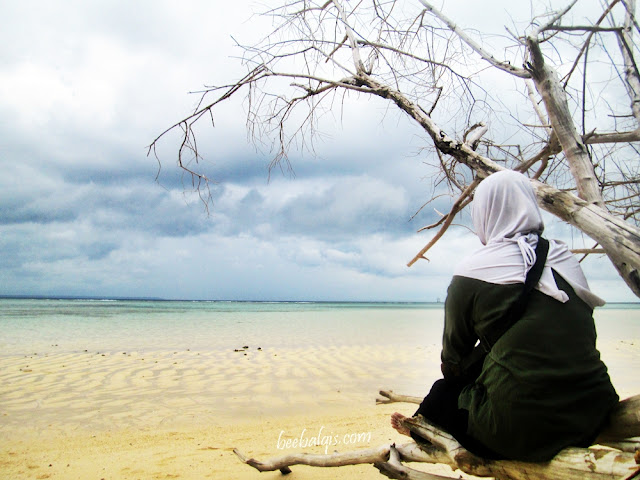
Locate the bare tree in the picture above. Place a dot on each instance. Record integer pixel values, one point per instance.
(563, 123)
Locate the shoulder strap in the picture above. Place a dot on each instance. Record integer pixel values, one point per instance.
(534, 274)
(471, 366)
(517, 308)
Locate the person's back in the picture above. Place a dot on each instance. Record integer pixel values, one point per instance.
(543, 386)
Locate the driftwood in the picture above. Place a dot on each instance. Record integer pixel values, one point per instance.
(616, 456)
(391, 397)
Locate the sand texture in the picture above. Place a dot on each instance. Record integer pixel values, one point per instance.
(157, 415)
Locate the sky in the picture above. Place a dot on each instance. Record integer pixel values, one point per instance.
(85, 87)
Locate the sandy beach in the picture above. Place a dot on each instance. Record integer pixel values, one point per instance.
(128, 415)
(180, 414)
(189, 452)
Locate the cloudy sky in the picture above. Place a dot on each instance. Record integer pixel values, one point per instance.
(86, 86)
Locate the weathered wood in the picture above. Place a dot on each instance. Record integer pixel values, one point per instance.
(632, 77)
(393, 468)
(555, 99)
(391, 397)
(626, 260)
(620, 239)
(502, 65)
(594, 463)
(409, 452)
(571, 463)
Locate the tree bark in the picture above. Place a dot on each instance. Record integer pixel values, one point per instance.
(555, 101)
(409, 452)
(620, 239)
(570, 464)
(632, 77)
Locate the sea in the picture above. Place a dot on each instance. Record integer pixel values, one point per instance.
(98, 364)
(44, 325)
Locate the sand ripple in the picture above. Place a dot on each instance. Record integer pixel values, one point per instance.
(106, 391)
(93, 390)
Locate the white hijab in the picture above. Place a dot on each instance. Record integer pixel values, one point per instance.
(507, 220)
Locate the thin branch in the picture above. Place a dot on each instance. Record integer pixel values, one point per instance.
(536, 106)
(390, 397)
(355, 50)
(632, 76)
(622, 137)
(550, 149)
(398, 51)
(586, 43)
(553, 20)
(505, 66)
(582, 28)
(449, 218)
(588, 251)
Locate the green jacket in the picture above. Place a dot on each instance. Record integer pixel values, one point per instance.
(543, 386)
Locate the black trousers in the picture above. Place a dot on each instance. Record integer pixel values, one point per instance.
(440, 407)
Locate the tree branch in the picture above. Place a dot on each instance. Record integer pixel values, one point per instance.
(587, 251)
(554, 97)
(585, 45)
(505, 66)
(536, 33)
(449, 218)
(631, 74)
(414, 68)
(355, 50)
(582, 28)
(622, 137)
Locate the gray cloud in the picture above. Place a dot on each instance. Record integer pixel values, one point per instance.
(86, 86)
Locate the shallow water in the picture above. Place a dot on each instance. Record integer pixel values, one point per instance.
(99, 365)
(42, 326)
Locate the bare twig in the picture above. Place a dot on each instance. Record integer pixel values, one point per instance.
(506, 66)
(449, 218)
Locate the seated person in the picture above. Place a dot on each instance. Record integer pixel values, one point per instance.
(542, 386)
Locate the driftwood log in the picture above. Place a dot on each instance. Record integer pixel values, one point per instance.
(616, 456)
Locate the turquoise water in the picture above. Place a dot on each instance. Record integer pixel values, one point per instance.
(43, 325)
(62, 360)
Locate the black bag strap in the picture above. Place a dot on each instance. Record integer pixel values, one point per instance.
(517, 308)
(471, 366)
